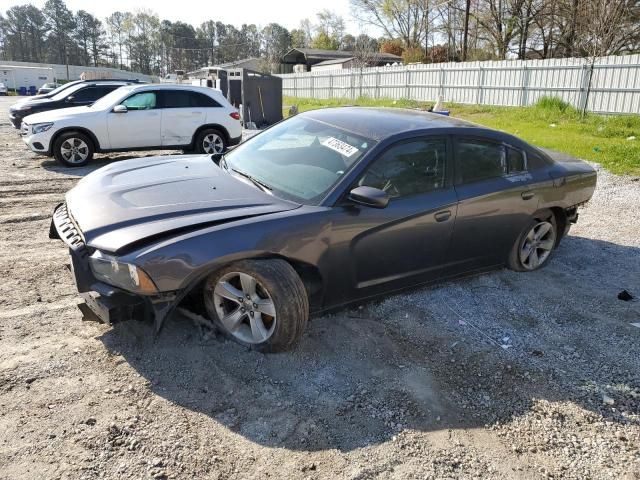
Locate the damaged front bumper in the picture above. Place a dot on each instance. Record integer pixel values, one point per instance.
(108, 303)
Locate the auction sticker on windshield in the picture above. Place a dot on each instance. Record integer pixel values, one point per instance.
(339, 146)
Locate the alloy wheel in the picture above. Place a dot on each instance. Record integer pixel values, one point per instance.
(244, 307)
(212, 143)
(74, 150)
(537, 245)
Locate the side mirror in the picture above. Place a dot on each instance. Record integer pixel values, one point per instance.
(369, 196)
(120, 109)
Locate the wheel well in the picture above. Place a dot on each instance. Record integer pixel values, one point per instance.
(312, 280)
(559, 215)
(220, 128)
(88, 133)
(309, 274)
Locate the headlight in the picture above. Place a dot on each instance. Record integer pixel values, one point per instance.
(41, 127)
(124, 275)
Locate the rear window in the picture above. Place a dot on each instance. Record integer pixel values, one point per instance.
(515, 160)
(187, 99)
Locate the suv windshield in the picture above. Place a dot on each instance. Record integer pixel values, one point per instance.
(300, 159)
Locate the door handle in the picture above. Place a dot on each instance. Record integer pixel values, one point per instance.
(442, 216)
(528, 195)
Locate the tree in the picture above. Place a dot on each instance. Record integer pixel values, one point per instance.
(329, 31)
(393, 47)
(82, 33)
(413, 55)
(116, 29)
(144, 41)
(276, 41)
(206, 35)
(23, 33)
(298, 38)
(324, 42)
(365, 51)
(348, 42)
(407, 20)
(61, 22)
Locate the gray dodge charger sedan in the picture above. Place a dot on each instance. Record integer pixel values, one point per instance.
(323, 209)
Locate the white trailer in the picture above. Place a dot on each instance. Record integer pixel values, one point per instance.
(16, 76)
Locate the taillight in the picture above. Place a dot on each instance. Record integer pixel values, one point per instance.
(235, 115)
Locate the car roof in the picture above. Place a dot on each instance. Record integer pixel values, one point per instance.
(379, 122)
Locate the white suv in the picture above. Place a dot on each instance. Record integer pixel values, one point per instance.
(137, 117)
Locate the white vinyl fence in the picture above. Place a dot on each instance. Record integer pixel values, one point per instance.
(611, 85)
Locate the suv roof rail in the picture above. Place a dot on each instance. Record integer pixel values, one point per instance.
(129, 80)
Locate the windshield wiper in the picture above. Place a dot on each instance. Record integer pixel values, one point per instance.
(253, 180)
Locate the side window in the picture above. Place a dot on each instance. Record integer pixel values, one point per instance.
(477, 160)
(535, 161)
(201, 100)
(141, 101)
(409, 168)
(89, 94)
(102, 90)
(515, 160)
(176, 99)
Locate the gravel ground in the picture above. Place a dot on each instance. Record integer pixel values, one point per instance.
(504, 375)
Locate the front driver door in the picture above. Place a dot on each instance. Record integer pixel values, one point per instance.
(139, 126)
(405, 243)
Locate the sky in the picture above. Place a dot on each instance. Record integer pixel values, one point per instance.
(260, 12)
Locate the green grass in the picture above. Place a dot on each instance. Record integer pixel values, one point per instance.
(551, 123)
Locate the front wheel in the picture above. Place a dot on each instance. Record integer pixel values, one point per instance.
(535, 245)
(259, 303)
(210, 141)
(73, 149)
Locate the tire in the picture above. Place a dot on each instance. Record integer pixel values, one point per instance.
(271, 317)
(533, 248)
(64, 153)
(210, 141)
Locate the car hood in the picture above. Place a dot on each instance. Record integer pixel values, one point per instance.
(59, 114)
(135, 200)
(30, 101)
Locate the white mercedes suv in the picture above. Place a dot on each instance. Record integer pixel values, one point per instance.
(136, 117)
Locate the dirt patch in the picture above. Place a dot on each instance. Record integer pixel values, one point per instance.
(504, 375)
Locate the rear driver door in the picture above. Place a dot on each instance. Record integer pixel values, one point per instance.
(181, 117)
(496, 199)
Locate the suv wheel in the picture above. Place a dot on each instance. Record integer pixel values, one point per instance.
(73, 149)
(259, 303)
(210, 141)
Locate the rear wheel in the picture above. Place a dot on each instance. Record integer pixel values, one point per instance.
(210, 141)
(259, 303)
(535, 245)
(73, 149)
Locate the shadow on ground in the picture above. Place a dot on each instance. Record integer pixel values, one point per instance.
(361, 376)
(99, 161)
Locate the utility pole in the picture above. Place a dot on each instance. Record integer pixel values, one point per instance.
(466, 31)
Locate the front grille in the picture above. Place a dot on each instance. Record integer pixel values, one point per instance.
(25, 128)
(68, 230)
